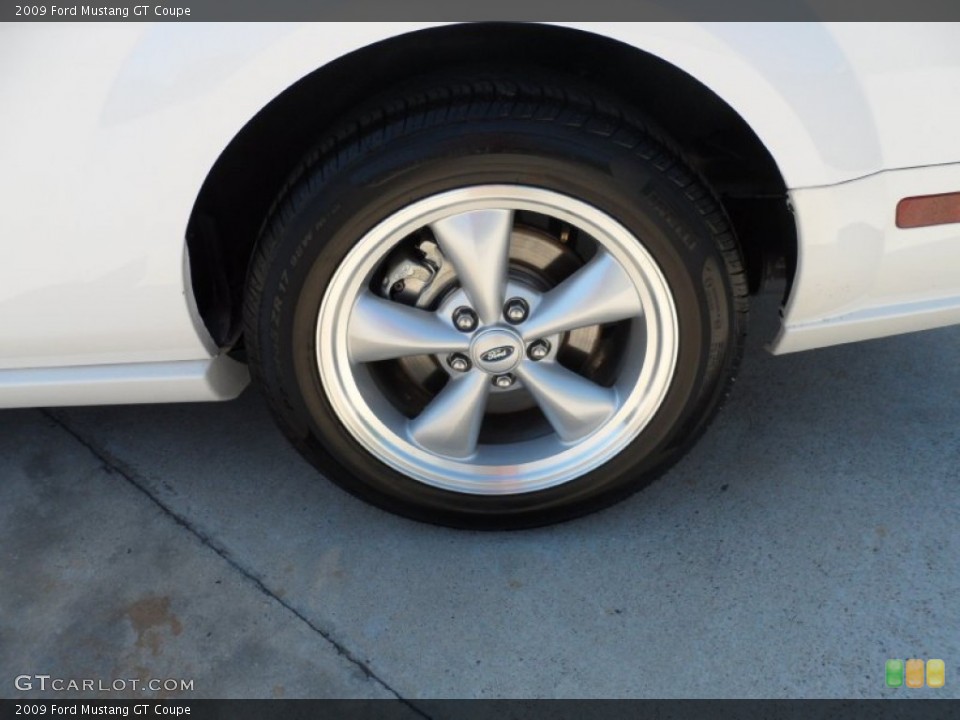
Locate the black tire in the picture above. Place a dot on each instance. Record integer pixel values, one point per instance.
(546, 133)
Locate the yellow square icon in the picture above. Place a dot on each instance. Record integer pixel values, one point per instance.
(936, 672)
(914, 673)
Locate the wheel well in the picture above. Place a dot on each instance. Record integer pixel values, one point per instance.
(240, 189)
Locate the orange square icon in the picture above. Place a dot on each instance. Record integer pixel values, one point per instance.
(914, 673)
(935, 673)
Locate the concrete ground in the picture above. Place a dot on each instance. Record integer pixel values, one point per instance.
(811, 535)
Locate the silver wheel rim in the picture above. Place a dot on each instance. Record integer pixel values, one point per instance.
(585, 423)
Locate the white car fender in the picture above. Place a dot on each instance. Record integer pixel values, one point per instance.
(109, 134)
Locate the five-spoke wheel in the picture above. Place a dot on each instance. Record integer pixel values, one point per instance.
(508, 332)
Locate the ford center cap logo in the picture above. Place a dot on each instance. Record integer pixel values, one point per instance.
(497, 354)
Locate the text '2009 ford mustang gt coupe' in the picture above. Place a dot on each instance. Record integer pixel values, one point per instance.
(488, 275)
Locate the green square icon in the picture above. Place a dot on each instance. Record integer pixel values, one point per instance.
(894, 673)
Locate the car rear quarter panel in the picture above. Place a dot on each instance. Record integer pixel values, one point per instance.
(110, 131)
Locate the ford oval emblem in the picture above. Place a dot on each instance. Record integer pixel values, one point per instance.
(497, 354)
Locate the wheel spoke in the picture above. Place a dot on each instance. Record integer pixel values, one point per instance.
(381, 330)
(574, 406)
(599, 292)
(451, 422)
(478, 245)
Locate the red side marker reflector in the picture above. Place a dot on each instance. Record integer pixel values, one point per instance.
(926, 210)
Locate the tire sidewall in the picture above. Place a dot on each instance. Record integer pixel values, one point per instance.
(336, 212)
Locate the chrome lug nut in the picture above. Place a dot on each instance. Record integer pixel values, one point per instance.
(465, 319)
(459, 362)
(538, 350)
(515, 310)
(504, 381)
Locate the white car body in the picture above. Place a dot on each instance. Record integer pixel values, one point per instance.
(109, 132)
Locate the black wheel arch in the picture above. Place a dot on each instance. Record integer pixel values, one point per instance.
(237, 195)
